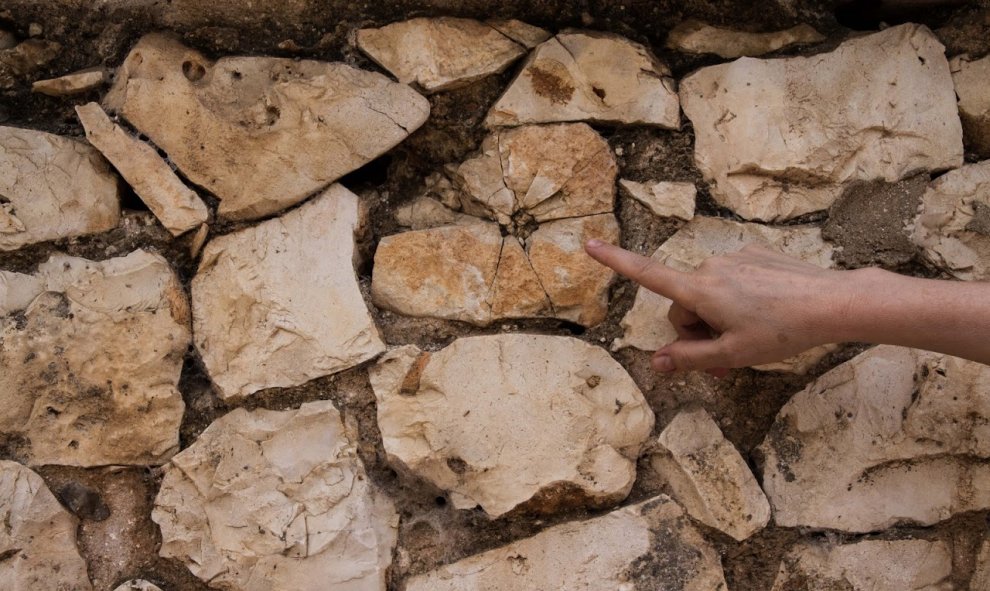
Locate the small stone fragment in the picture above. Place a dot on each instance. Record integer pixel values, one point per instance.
(439, 53)
(663, 198)
(892, 436)
(278, 304)
(880, 106)
(70, 84)
(651, 545)
(692, 36)
(522, 33)
(953, 223)
(52, 187)
(260, 133)
(89, 369)
(905, 565)
(83, 501)
(25, 58)
(514, 421)
(646, 327)
(198, 240)
(177, 206)
(279, 501)
(138, 585)
(708, 477)
(38, 542)
(589, 76)
(425, 212)
(35, 30)
(970, 78)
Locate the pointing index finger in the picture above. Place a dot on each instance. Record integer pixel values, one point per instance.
(647, 272)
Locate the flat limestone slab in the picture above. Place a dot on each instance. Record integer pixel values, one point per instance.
(278, 304)
(177, 206)
(52, 187)
(780, 138)
(260, 133)
(892, 436)
(277, 501)
(692, 36)
(651, 545)
(970, 79)
(664, 198)
(70, 84)
(91, 357)
(513, 420)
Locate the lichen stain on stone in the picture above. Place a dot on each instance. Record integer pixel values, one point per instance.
(550, 85)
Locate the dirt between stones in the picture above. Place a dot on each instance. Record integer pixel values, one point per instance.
(431, 532)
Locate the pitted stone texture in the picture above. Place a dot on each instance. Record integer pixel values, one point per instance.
(651, 545)
(70, 84)
(260, 133)
(522, 33)
(91, 357)
(277, 501)
(981, 575)
(646, 326)
(905, 565)
(953, 223)
(708, 477)
(513, 421)
(589, 76)
(551, 187)
(138, 585)
(892, 436)
(177, 206)
(52, 187)
(781, 138)
(970, 78)
(23, 59)
(38, 542)
(665, 199)
(439, 53)
(692, 36)
(278, 304)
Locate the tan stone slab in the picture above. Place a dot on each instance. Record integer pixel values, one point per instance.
(523, 33)
(70, 84)
(692, 36)
(665, 199)
(970, 79)
(517, 291)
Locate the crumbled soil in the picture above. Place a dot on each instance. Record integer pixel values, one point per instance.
(866, 223)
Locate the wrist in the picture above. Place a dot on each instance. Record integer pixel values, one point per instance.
(852, 307)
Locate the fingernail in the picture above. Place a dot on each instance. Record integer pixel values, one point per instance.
(594, 243)
(663, 363)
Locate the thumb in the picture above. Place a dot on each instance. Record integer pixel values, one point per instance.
(701, 354)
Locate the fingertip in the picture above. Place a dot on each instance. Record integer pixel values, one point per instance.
(593, 244)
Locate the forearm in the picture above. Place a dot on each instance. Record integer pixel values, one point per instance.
(951, 317)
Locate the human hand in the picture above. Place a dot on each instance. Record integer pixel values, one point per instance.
(746, 308)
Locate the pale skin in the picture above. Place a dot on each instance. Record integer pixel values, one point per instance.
(756, 306)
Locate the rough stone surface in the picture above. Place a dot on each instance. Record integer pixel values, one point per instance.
(513, 421)
(138, 585)
(981, 575)
(523, 33)
(589, 76)
(277, 501)
(25, 58)
(426, 212)
(892, 436)
(52, 187)
(439, 53)
(177, 206)
(651, 545)
(694, 36)
(905, 565)
(953, 223)
(8, 40)
(970, 78)
(70, 84)
(708, 477)
(91, 357)
(38, 542)
(278, 130)
(880, 106)
(646, 326)
(665, 199)
(278, 304)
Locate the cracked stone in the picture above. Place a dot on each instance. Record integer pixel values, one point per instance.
(892, 436)
(692, 36)
(651, 545)
(440, 53)
(277, 501)
(137, 585)
(665, 199)
(513, 421)
(589, 76)
(879, 107)
(177, 206)
(278, 304)
(260, 133)
(52, 187)
(646, 327)
(905, 565)
(70, 84)
(953, 223)
(522, 33)
(24, 59)
(970, 77)
(708, 477)
(91, 357)
(425, 212)
(38, 543)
